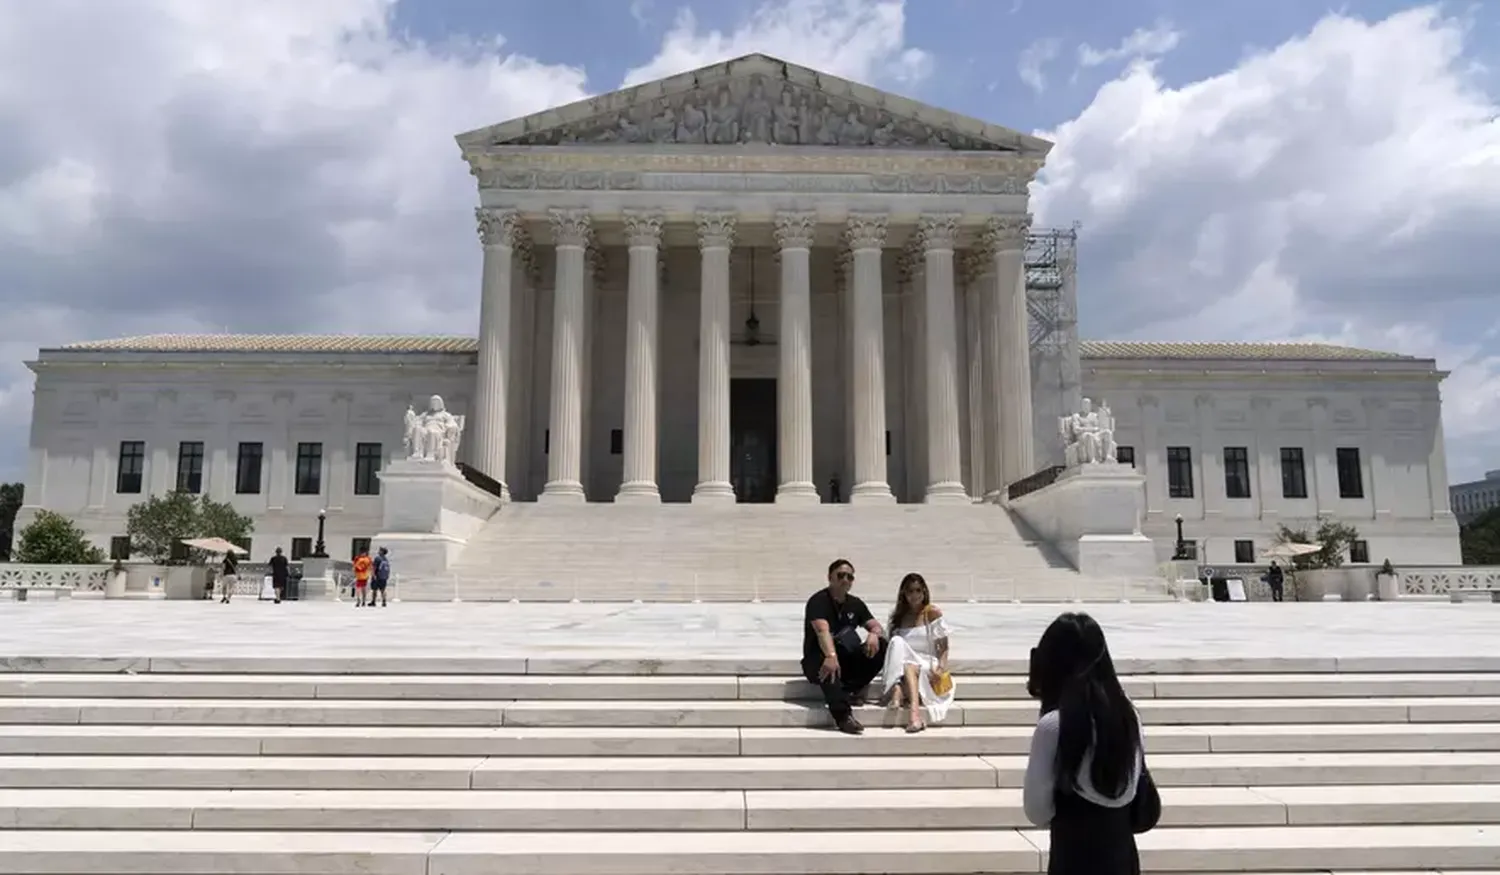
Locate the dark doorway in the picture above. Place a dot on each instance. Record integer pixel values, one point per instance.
(752, 440)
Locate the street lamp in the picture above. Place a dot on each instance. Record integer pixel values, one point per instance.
(1179, 555)
(320, 550)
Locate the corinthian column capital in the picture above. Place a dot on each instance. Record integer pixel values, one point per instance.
(643, 228)
(498, 226)
(938, 232)
(571, 227)
(866, 230)
(794, 230)
(1007, 233)
(716, 229)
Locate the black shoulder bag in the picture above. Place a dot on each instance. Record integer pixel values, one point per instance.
(1145, 808)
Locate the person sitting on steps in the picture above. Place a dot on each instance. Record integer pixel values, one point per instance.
(833, 656)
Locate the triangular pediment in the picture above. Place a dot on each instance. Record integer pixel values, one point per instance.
(756, 99)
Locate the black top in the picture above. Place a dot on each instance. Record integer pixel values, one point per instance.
(851, 613)
(279, 567)
(229, 564)
(1275, 575)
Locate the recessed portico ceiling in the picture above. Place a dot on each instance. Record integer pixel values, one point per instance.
(756, 99)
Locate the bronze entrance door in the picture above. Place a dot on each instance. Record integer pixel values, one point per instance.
(752, 440)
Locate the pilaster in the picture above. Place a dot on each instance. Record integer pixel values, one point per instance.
(280, 472)
(340, 466)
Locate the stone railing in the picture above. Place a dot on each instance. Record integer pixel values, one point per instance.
(22, 575)
(1415, 580)
(1029, 484)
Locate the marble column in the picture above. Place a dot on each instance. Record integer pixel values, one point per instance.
(1012, 345)
(715, 240)
(643, 234)
(498, 230)
(794, 237)
(570, 232)
(976, 266)
(944, 461)
(866, 236)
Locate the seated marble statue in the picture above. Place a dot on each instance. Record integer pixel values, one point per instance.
(435, 434)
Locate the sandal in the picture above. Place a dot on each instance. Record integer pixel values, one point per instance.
(914, 728)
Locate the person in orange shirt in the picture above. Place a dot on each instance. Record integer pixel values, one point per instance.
(362, 565)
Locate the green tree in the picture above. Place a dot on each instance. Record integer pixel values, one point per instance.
(11, 495)
(158, 526)
(1480, 539)
(1335, 538)
(53, 539)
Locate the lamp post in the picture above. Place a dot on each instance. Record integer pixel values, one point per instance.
(1178, 555)
(320, 550)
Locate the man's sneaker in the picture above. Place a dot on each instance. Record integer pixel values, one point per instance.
(849, 726)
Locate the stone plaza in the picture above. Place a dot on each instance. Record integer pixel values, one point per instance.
(428, 739)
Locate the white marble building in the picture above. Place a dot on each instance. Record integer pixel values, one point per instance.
(753, 283)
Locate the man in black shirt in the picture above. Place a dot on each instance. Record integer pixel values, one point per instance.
(281, 570)
(833, 657)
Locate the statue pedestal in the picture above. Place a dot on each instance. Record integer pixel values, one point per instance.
(430, 512)
(1092, 515)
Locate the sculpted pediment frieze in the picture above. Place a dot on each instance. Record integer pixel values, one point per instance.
(755, 100)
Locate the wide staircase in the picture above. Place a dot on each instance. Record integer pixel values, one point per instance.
(589, 766)
(747, 552)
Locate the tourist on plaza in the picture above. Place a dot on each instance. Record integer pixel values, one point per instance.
(281, 570)
(916, 661)
(833, 655)
(1086, 777)
(381, 577)
(228, 576)
(361, 577)
(1275, 579)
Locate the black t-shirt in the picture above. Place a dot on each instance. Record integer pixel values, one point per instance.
(851, 613)
(279, 567)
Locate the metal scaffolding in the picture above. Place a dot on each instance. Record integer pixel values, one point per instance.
(1052, 304)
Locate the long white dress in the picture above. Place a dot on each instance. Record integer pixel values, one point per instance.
(914, 645)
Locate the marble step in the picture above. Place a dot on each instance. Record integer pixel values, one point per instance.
(520, 741)
(701, 664)
(353, 772)
(363, 712)
(724, 810)
(691, 688)
(917, 852)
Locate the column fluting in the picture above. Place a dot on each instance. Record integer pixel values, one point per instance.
(715, 242)
(866, 236)
(643, 234)
(498, 233)
(794, 237)
(571, 230)
(944, 460)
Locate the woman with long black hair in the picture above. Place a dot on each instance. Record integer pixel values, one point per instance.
(1086, 778)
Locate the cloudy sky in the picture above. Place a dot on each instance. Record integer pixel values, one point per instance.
(1241, 169)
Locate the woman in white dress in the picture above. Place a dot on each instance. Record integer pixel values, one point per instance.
(916, 662)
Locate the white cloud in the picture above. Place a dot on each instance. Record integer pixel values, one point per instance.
(1143, 42)
(283, 165)
(1345, 185)
(863, 40)
(1032, 61)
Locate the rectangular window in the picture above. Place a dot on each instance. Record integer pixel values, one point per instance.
(887, 443)
(1359, 552)
(1244, 552)
(358, 546)
(1125, 456)
(546, 441)
(301, 549)
(247, 467)
(616, 441)
(132, 467)
(190, 467)
(1179, 472)
(1293, 473)
(1236, 472)
(119, 547)
(179, 552)
(1190, 550)
(1351, 478)
(309, 472)
(367, 468)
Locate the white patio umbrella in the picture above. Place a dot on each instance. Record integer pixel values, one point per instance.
(215, 545)
(1289, 550)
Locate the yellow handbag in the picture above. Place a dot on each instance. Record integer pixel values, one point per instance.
(942, 681)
